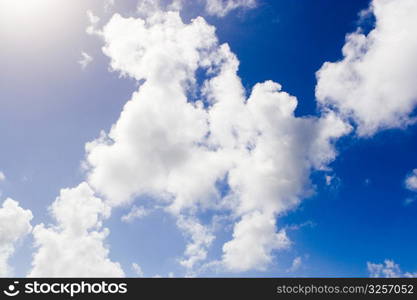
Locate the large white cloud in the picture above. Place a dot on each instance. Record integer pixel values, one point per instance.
(176, 139)
(14, 225)
(74, 247)
(153, 148)
(374, 83)
(176, 150)
(272, 153)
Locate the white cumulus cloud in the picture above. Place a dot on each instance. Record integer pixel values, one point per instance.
(254, 238)
(14, 225)
(74, 247)
(175, 150)
(374, 83)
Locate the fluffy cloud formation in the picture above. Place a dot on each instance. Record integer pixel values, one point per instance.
(411, 181)
(221, 8)
(254, 238)
(74, 247)
(374, 84)
(388, 269)
(154, 146)
(14, 225)
(2, 176)
(176, 139)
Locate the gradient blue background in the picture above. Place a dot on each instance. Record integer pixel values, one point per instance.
(49, 108)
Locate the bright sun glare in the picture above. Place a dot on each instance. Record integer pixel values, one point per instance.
(26, 8)
(23, 18)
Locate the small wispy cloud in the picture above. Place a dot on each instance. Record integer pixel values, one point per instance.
(387, 269)
(221, 8)
(93, 22)
(411, 181)
(138, 270)
(2, 176)
(409, 201)
(136, 212)
(108, 4)
(85, 60)
(296, 265)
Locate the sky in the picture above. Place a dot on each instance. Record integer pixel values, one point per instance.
(209, 138)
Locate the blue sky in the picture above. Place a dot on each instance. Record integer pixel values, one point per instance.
(345, 208)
